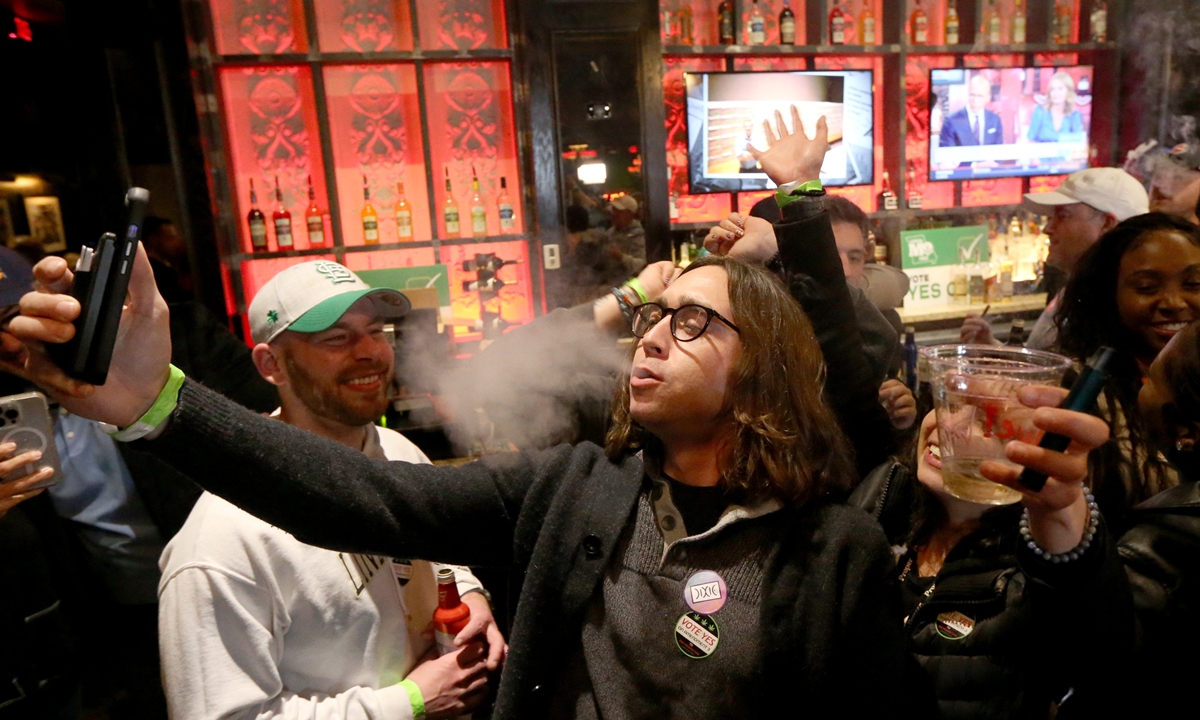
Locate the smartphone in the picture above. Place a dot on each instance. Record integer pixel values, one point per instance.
(101, 282)
(25, 420)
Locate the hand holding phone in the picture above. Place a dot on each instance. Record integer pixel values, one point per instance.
(26, 427)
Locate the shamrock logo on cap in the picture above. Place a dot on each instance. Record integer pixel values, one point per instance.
(272, 317)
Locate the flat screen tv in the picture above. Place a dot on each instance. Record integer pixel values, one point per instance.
(726, 110)
(1009, 122)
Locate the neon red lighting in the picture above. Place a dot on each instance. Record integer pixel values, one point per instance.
(23, 30)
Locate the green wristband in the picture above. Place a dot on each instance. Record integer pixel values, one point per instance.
(158, 413)
(414, 697)
(809, 188)
(637, 288)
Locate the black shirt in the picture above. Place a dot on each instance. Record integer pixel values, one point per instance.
(701, 507)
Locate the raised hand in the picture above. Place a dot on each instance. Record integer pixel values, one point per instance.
(792, 156)
(141, 356)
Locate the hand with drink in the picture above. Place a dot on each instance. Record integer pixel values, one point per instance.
(453, 684)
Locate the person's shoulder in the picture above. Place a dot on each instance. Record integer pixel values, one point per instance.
(842, 524)
(221, 535)
(397, 447)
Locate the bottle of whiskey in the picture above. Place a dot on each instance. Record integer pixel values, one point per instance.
(919, 25)
(404, 228)
(370, 219)
(452, 614)
(992, 21)
(450, 210)
(914, 197)
(1018, 23)
(787, 25)
(866, 25)
(314, 219)
(887, 198)
(758, 26)
(837, 25)
(282, 220)
(505, 207)
(686, 23)
(478, 212)
(1099, 21)
(257, 222)
(725, 23)
(1062, 22)
(952, 24)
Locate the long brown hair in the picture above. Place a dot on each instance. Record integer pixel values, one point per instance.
(786, 442)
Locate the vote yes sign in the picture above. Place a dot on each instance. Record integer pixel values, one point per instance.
(930, 258)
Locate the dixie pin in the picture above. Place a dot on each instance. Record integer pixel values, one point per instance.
(705, 592)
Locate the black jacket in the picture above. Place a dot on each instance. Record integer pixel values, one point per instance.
(831, 643)
(1039, 629)
(1162, 559)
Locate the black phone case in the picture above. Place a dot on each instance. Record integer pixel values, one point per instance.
(100, 289)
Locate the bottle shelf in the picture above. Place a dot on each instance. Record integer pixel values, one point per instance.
(890, 49)
(413, 245)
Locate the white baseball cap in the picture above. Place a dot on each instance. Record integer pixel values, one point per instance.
(1107, 189)
(625, 202)
(312, 296)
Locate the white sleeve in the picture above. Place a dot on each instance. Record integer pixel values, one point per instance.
(220, 651)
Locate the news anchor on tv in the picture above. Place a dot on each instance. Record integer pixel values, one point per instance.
(1057, 115)
(974, 124)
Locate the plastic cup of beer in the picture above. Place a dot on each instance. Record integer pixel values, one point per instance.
(975, 395)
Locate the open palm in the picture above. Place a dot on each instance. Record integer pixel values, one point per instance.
(790, 155)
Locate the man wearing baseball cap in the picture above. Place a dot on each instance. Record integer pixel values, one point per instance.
(1088, 204)
(627, 235)
(254, 623)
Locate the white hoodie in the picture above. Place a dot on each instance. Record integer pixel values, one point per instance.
(255, 624)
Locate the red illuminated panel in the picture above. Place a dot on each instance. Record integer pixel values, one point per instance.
(363, 25)
(256, 273)
(514, 302)
(461, 24)
(1056, 59)
(375, 123)
(861, 195)
(916, 143)
(259, 27)
(227, 286)
(936, 33)
(1045, 183)
(996, 61)
(469, 106)
(770, 10)
(692, 208)
(996, 191)
(388, 259)
(271, 126)
(769, 63)
(747, 200)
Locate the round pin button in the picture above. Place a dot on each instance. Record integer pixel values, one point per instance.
(954, 625)
(697, 635)
(705, 592)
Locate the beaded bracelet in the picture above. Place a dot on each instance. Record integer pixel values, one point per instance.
(623, 303)
(1078, 550)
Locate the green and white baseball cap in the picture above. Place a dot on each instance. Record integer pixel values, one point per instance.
(312, 296)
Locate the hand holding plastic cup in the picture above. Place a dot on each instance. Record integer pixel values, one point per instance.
(975, 395)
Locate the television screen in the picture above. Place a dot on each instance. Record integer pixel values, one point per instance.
(725, 114)
(1007, 122)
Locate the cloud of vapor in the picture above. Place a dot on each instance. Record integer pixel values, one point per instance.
(1161, 40)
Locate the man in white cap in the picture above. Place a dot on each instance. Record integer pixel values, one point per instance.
(1088, 204)
(253, 623)
(1175, 184)
(627, 235)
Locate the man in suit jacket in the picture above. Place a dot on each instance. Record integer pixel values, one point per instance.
(974, 124)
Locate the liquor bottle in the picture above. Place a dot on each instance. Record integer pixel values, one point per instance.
(1006, 277)
(670, 27)
(478, 212)
(1099, 21)
(837, 25)
(314, 219)
(257, 222)
(880, 249)
(450, 210)
(910, 357)
(952, 24)
(1018, 23)
(1016, 334)
(1062, 21)
(505, 207)
(758, 26)
(1015, 229)
(992, 20)
(686, 24)
(370, 219)
(452, 614)
(404, 228)
(958, 281)
(887, 198)
(975, 282)
(725, 23)
(787, 25)
(914, 197)
(866, 25)
(919, 26)
(282, 220)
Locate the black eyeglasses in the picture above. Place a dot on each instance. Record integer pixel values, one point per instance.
(688, 322)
